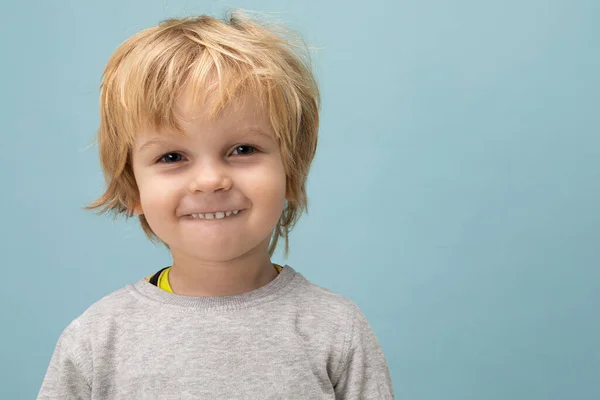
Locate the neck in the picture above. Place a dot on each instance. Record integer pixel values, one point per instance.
(193, 277)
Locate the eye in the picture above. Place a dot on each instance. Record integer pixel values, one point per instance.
(171, 158)
(244, 150)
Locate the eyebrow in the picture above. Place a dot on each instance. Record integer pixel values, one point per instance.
(256, 132)
(155, 142)
(246, 132)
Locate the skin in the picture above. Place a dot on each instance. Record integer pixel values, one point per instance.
(232, 162)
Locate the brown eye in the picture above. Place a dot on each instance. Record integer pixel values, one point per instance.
(171, 158)
(244, 150)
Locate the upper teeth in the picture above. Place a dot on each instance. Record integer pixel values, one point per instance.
(217, 215)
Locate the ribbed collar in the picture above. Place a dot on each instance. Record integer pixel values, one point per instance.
(284, 282)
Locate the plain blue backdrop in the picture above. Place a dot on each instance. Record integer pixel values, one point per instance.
(455, 195)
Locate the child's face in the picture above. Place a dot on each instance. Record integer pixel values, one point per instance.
(228, 164)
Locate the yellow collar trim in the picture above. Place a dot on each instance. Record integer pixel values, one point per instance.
(163, 279)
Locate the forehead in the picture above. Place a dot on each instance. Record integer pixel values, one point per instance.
(189, 107)
(218, 108)
(244, 115)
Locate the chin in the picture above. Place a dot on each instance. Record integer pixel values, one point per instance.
(217, 252)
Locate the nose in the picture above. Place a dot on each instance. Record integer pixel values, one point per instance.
(210, 177)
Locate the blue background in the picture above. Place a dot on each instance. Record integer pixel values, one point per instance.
(455, 194)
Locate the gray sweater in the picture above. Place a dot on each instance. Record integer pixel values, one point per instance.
(289, 339)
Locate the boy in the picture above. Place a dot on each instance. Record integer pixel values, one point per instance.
(207, 132)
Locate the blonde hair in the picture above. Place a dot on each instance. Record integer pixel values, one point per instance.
(148, 72)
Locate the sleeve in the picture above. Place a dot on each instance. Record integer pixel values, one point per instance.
(364, 373)
(66, 377)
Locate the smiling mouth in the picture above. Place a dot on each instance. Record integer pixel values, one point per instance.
(215, 215)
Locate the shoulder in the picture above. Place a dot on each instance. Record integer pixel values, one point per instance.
(332, 323)
(324, 301)
(75, 341)
(118, 304)
(323, 310)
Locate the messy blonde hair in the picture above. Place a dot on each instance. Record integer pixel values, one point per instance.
(148, 72)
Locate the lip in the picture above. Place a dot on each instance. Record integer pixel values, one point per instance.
(190, 217)
(189, 213)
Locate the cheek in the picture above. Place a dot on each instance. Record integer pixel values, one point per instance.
(157, 195)
(267, 186)
(267, 192)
